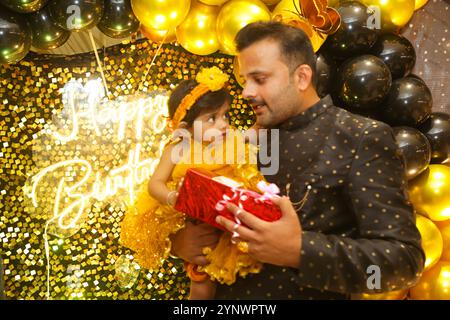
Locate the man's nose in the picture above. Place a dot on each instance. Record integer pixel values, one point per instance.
(249, 91)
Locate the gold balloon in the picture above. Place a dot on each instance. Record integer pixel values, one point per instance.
(235, 15)
(431, 240)
(197, 33)
(434, 283)
(394, 13)
(236, 71)
(444, 227)
(430, 191)
(158, 35)
(214, 2)
(161, 14)
(419, 4)
(286, 9)
(392, 295)
(225, 51)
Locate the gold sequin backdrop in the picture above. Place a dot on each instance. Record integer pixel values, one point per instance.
(89, 263)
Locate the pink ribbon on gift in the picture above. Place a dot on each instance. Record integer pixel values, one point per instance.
(221, 204)
(269, 191)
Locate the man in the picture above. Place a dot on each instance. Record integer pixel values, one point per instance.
(354, 231)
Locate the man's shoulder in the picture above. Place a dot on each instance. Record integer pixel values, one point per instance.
(352, 123)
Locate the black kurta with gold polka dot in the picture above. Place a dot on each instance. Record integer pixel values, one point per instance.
(356, 215)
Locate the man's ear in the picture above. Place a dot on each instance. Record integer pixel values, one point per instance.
(303, 75)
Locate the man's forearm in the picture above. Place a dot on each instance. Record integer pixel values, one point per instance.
(293, 259)
(342, 264)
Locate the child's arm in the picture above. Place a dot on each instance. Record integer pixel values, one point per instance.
(157, 185)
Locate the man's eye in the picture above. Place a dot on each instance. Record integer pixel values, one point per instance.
(260, 80)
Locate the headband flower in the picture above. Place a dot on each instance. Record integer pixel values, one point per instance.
(212, 77)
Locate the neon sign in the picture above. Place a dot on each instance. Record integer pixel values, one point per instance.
(92, 151)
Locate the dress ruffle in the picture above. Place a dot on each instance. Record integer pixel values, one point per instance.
(146, 228)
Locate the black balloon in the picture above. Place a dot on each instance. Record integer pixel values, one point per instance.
(118, 19)
(324, 75)
(24, 6)
(362, 82)
(353, 36)
(397, 52)
(437, 130)
(415, 148)
(15, 37)
(416, 77)
(46, 33)
(408, 103)
(76, 15)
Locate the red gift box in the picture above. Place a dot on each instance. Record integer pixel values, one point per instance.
(204, 195)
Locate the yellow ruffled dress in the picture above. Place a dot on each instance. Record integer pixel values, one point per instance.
(148, 224)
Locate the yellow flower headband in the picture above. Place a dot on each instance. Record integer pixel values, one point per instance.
(209, 79)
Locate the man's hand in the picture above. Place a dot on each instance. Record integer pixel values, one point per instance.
(277, 242)
(188, 243)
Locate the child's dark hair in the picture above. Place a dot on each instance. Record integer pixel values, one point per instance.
(208, 102)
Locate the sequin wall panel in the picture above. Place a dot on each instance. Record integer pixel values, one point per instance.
(71, 161)
(429, 32)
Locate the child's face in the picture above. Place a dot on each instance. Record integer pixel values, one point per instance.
(217, 119)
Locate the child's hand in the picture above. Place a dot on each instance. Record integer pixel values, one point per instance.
(172, 197)
(188, 243)
(180, 183)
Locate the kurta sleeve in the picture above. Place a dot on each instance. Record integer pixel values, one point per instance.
(386, 240)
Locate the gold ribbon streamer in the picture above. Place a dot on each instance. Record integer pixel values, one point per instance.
(152, 62)
(94, 47)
